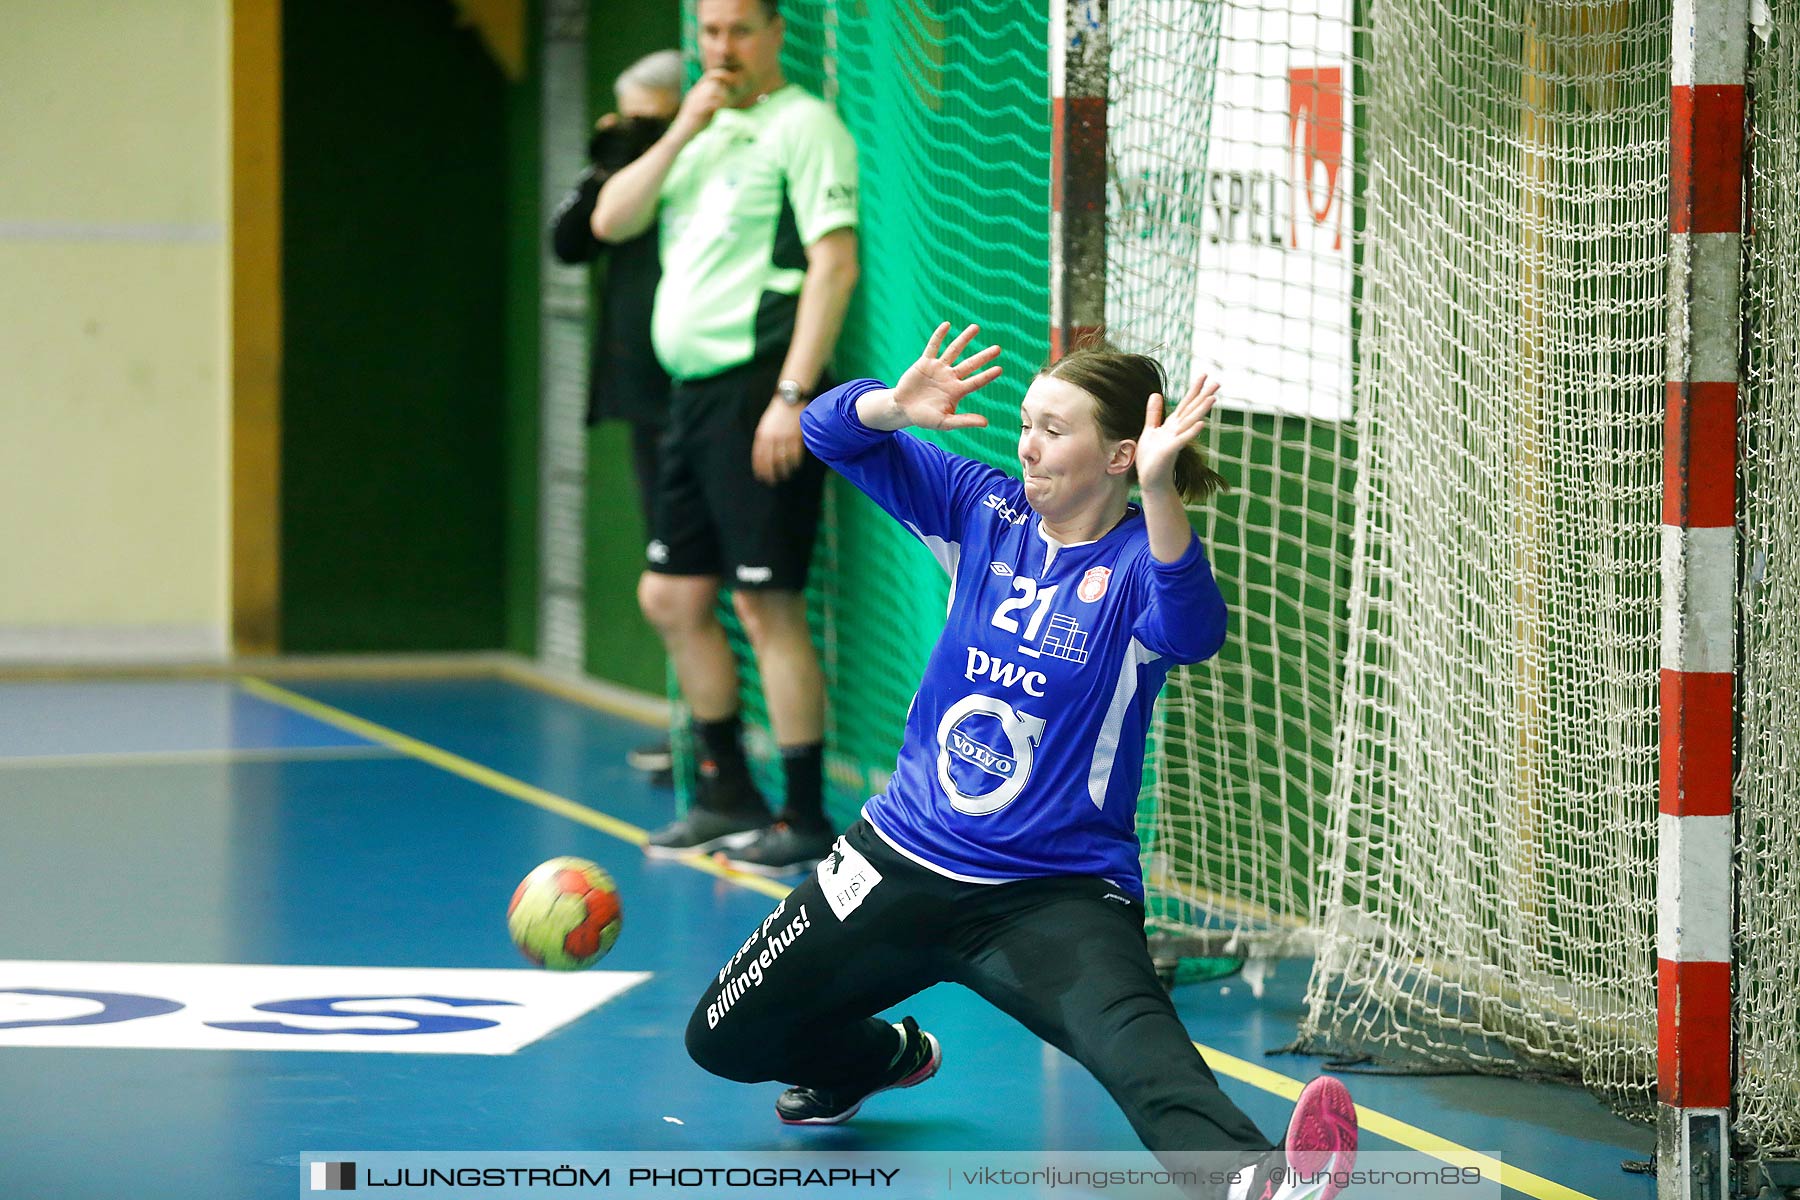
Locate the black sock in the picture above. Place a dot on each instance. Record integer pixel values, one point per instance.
(805, 770)
(718, 747)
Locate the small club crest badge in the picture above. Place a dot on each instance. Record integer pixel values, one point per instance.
(1093, 584)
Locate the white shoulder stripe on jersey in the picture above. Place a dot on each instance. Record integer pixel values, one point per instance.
(948, 555)
(1106, 744)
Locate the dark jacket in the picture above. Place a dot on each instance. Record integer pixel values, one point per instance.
(625, 380)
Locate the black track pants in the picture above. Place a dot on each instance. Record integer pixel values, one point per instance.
(1066, 957)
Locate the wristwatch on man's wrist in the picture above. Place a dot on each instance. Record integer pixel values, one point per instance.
(791, 393)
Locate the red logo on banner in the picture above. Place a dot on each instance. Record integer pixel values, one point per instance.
(1316, 148)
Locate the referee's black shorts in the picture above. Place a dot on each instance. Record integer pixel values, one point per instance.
(711, 515)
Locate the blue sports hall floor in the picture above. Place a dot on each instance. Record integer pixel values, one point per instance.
(169, 842)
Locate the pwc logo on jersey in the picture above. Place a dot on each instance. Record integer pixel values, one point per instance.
(985, 752)
(982, 665)
(1003, 510)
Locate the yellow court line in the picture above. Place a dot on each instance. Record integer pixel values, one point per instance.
(1410, 1136)
(489, 778)
(160, 758)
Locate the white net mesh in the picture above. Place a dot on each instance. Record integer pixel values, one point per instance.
(1492, 893)
(1207, 270)
(1483, 876)
(1767, 953)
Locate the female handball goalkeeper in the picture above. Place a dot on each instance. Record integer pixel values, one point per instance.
(1003, 853)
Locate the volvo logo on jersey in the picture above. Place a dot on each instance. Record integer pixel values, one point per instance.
(985, 752)
(990, 762)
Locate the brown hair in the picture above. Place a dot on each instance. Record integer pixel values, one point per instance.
(1121, 384)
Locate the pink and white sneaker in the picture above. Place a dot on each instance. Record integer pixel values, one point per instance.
(1320, 1145)
(1321, 1134)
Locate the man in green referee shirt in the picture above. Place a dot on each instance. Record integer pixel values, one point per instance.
(755, 188)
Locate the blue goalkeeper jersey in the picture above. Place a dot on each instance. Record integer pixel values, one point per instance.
(1024, 745)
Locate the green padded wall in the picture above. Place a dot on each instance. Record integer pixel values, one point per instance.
(394, 247)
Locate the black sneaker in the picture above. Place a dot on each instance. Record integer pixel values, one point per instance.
(919, 1059)
(652, 759)
(781, 849)
(702, 831)
(728, 791)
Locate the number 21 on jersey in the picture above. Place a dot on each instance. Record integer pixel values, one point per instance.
(1030, 596)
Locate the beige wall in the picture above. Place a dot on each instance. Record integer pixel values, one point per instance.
(114, 343)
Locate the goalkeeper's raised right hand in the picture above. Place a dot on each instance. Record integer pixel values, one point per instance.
(929, 393)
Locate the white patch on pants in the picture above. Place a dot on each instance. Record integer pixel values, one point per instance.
(846, 878)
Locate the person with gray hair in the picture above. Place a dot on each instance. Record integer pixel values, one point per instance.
(658, 71)
(625, 381)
